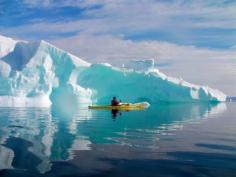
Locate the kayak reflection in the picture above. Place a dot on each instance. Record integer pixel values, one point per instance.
(115, 113)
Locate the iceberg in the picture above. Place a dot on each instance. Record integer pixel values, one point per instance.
(134, 86)
(6, 45)
(38, 74)
(140, 65)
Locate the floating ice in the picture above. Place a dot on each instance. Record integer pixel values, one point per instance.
(152, 86)
(40, 74)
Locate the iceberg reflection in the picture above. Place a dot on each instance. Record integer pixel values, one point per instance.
(45, 135)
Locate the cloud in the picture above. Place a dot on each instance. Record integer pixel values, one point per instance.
(37, 3)
(202, 23)
(198, 13)
(65, 3)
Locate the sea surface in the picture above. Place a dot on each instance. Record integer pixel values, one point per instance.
(166, 140)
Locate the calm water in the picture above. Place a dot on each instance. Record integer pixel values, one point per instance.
(182, 140)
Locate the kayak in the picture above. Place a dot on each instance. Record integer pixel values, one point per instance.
(123, 106)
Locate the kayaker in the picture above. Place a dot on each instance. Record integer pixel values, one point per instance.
(114, 102)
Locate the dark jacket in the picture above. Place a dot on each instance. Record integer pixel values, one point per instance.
(115, 102)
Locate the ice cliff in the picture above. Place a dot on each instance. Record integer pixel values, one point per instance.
(40, 74)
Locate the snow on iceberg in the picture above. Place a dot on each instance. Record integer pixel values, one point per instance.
(40, 74)
(6, 45)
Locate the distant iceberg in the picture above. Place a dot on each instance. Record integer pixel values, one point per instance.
(140, 65)
(40, 75)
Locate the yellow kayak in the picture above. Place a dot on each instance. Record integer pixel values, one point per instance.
(122, 106)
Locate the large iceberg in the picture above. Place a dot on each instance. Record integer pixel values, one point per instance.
(40, 74)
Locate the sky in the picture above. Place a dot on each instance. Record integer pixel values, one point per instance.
(191, 39)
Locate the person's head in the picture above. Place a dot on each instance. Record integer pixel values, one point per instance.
(114, 98)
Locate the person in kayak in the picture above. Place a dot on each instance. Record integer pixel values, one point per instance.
(114, 102)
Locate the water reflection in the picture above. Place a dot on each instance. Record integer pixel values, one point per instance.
(33, 138)
(117, 113)
(114, 113)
